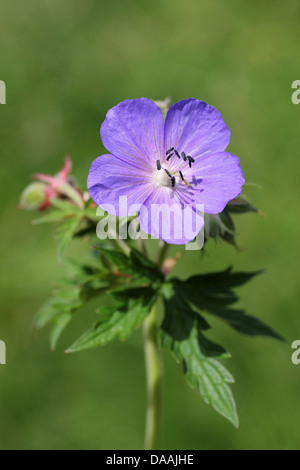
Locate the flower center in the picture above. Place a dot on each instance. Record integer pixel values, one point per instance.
(162, 178)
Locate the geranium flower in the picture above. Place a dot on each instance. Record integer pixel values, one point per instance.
(165, 169)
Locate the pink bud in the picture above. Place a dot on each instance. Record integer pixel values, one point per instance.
(51, 187)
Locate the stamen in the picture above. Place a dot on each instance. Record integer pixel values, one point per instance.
(185, 181)
(191, 160)
(183, 156)
(176, 153)
(168, 173)
(173, 180)
(171, 155)
(169, 151)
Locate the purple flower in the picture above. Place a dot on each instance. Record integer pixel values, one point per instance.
(165, 170)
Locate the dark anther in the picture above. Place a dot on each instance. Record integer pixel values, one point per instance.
(158, 164)
(171, 155)
(169, 151)
(181, 176)
(191, 160)
(173, 181)
(168, 173)
(183, 156)
(176, 153)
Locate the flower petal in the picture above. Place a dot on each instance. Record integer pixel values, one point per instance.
(168, 219)
(196, 128)
(111, 179)
(133, 131)
(216, 179)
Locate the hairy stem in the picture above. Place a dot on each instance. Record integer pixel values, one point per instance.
(154, 365)
(154, 380)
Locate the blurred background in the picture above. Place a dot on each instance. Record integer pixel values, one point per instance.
(64, 64)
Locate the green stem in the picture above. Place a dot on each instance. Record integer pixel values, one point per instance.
(118, 242)
(154, 380)
(71, 193)
(162, 252)
(154, 371)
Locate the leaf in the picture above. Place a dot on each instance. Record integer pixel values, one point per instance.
(222, 281)
(181, 331)
(65, 233)
(222, 225)
(68, 218)
(228, 233)
(213, 293)
(91, 213)
(118, 259)
(136, 265)
(181, 308)
(88, 282)
(247, 324)
(53, 216)
(58, 311)
(45, 314)
(60, 323)
(240, 205)
(90, 228)
(65, 206)
(118, 320)
(65, 299)
(144, 267)
(219, 226)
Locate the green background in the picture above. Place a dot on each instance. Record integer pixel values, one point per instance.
(65, 63)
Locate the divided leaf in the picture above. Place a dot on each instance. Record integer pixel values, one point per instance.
(65, 233)
(213, 293)
(60, 323)
(133, 303)
(181, 331)
(71, 221)
(136, 265)
(119, 320)
(53, 216)
(70, 297)
(58, 311)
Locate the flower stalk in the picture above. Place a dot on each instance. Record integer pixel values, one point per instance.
(154, 367)
(154, 376)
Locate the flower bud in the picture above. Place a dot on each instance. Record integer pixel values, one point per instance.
(38, 196)
(34, 196)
